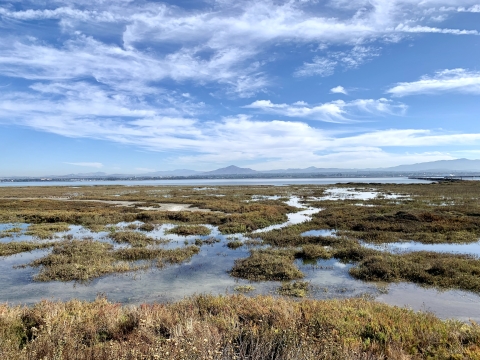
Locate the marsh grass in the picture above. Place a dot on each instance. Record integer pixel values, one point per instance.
(134, 238)
(84, 260)
(295, 289)
(444, 271)
(79, 260)
(267, 264)
(147, 227)
(46, 231)
(10, 232)
(17, 247)
(231, 327)
(186, 230)
(235, 244)
(244, 288)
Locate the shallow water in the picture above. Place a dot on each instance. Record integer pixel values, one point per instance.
(353, 194)
(411, 246)
(319, 233)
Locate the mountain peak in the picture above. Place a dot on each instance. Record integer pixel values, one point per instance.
(231, 170)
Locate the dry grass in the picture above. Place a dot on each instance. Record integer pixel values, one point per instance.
(295, 289)
(79, 260)
(186, 230)
(46, 231)
(267, 265)
(231, 327)
(135, 239)
(426, 268)
(84, 260)
(17, 247)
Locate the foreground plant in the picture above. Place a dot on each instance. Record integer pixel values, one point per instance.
(231, 327)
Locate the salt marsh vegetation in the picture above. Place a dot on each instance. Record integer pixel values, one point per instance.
(238, 234)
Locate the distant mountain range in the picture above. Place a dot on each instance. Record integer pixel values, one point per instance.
(440, 167)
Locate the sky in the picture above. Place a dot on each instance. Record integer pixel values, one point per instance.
(139, 86)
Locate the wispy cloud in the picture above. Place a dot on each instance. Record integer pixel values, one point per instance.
(96, 165)
(214, 44)
(337, 111)
(454, 80)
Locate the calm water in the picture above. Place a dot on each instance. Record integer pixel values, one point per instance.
(213, 182)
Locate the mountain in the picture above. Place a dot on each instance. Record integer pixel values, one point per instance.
(231, 170)
(464, 165)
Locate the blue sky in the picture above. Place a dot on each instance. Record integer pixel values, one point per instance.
(137, 86)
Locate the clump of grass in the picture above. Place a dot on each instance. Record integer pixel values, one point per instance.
(267, 265)
(14, 247)
(172, 256)
(295, 289)
(178, 255)
(208, 241)
(97, 227)
(147, 227)
(425, 268)
(186, 230)
(132, 226)
(10, 232)
(231, 327)
(79, 260)
(313, 252)
(134, 238)
(244, 288)
(46, 231)
(235, 244)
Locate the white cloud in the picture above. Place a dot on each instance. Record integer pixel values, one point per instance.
(337, 111)
(320, 66)
(226, 140)
(217, 43)
(325, 66)
(87, 164)
(338, 90)
(454, 80)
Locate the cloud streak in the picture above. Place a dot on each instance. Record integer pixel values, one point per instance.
(450, 80)
(337, 111)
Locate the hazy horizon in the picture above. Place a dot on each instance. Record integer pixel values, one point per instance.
(132, 87)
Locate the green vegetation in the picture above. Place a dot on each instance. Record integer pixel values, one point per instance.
(46, 231)
(295, 289)
(186, 230)
(136, 239)
(231, 327)
(426, 268)
(10, 232)
(84, 260)
(267, 265)
(244, 288)
(17, 247)
(235, 244)
(80, 260)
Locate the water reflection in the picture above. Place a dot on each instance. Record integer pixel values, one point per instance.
(411, 246)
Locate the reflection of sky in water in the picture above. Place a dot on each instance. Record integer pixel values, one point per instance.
(352, 194)
(319, 233)
(207, 272)
(472, 248)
